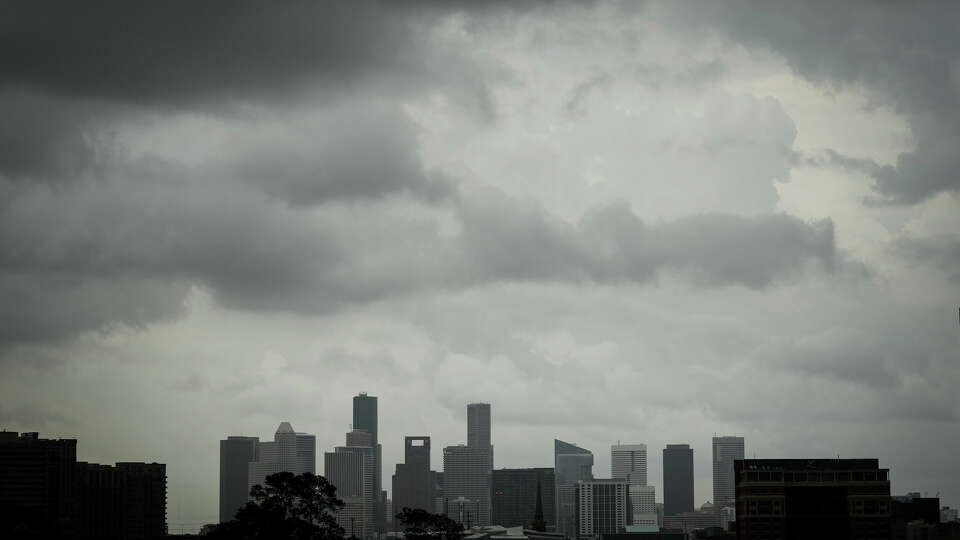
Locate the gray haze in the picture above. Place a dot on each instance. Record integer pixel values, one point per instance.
(648, 222)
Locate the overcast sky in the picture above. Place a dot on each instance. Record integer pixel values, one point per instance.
(645, 222)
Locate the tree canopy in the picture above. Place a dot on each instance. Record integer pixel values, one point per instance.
(301, 507)
(422, 525)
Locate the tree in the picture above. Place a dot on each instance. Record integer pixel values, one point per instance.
(301, 507)
(422, 525)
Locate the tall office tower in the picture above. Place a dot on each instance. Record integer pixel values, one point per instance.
(466, 484)
(515, 492)
(359, 444)
(601, 507)
(413, 481)
(571, 464)
(38, 484)
(726, 450)
(629, 462)
(812, 498)
(345, 470)
(478, 427)
(365, 418)
(677, 479)
(236, 453)
(289, 451)
(439, 506)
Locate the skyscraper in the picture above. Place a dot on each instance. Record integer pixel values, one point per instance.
(289, 451)
(478, 427)
(345, 470)
(601, 507)
(677, 479)
(571, 464)
(412, 481)
(236, 454)
(365, 418)
(515, 495)
(629, 462)
(726, 450)
(466, 484)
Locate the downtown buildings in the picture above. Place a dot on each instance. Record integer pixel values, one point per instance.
(46, 493)
(413, 481)
(629, 462)
(351, 469)
(467, 469)
(602, 507)
(516, 494)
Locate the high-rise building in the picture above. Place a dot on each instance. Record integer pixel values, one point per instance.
(413, 481)
(289, 451)
(629, 462)
(38, 484)
(478, 425)
(236, 454)
(365, 419)
(571, 464)
(602, 507)
(351, 468)
(145, 499)
(726, 450)
(643, 505)
(677, 479)
(812, 498)
(466, 484)
(46, 493)
(515, 493)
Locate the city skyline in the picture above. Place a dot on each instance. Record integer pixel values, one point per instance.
(651, 222)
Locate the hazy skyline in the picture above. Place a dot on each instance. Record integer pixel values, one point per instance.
(647, 222)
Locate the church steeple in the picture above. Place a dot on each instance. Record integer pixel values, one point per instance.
(538, 523)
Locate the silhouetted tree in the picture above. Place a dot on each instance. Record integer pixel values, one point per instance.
(303, 507)
(418, 524)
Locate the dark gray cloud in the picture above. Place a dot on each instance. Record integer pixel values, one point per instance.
(902, 54)
(351, 152)
(211, 52)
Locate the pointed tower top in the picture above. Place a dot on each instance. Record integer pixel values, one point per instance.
(285, 427)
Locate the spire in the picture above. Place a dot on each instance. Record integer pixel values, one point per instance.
(538, 523)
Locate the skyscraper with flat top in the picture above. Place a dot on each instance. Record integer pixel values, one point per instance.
(677, 479)
(629, 462)
(365, 419)
(466, 484)
(236, 454)
(478, 427)
(412, 481)
(726, 450)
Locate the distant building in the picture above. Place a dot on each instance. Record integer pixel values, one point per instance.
(726, 450)
(909, 512)
(478, 425)
(288, 452)
(413, 482)
(602, 507)
(365, 419)
(466, 484)
(677, 479)
(351, 468)
(948, 514)
(236, 454)
(571, 464)
(514, 497)
(812, 498)
(688, 522)
(46, 493)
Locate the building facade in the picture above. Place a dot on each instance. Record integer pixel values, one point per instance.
(677, 479)
(602, 507)
(236, 454)
(514, 499)
(643, 505)
(726, 450)
(571, 464)
(466, 484)
(289, 451)
(365, 418)
(629, 462)
(413, 480)
(812, 498)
